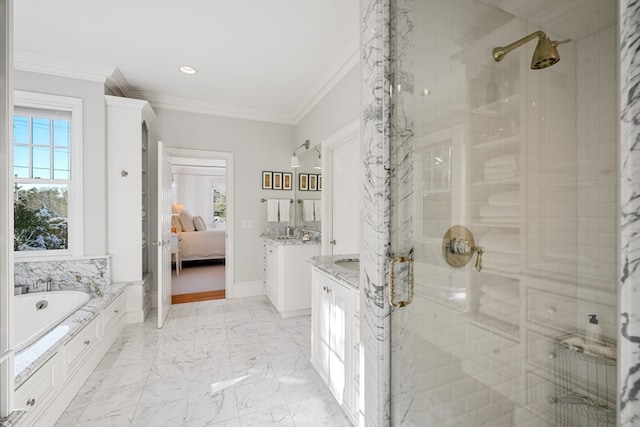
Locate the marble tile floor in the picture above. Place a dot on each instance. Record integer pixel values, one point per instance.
(231, 363)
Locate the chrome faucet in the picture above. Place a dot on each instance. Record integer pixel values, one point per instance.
(49, 283)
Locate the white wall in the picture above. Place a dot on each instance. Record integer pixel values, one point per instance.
(336, 110)
(256, 146)
(94, 194)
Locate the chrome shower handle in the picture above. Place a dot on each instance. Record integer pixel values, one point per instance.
(392, 278)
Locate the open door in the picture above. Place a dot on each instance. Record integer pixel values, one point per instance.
(164, 235)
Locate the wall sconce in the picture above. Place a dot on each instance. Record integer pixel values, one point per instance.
(295, 162)
(319, 161)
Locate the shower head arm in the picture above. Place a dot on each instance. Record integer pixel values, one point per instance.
(500, 52)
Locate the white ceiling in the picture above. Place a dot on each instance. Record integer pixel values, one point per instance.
(261, 59)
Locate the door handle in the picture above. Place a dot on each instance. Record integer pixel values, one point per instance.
(392, 263)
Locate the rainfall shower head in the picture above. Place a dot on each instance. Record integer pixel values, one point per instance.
(544, 56)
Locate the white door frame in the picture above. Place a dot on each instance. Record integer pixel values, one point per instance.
(229, 282)
(350, 131)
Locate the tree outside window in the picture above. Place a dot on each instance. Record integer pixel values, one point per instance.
(219, 206)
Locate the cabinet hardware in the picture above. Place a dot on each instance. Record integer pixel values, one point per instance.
(116, 311)
(31, 402)
(333, 241)
(87, 342)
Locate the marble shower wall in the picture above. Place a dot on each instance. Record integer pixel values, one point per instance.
(62, 273)
(375, 328)
(629, 291)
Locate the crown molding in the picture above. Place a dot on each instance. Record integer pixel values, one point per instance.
(43, 64)
(189, 105)
(118, 85)
(344, 63)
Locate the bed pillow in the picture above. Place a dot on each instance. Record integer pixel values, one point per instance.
(198, 223)
(187, 221)
(175, 223)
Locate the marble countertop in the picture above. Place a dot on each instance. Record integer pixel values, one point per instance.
(28, 360)
(327, 264)
(282, 241)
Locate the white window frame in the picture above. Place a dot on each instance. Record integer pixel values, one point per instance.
(75, 214)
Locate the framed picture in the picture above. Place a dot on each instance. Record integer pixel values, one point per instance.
(277, 180)
(303, 183)
(319, 182)
(267, 180)
(286, 181)
(313, 182)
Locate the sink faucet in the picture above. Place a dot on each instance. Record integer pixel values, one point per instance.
(49, 283)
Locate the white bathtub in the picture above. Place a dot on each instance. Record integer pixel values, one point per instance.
(36, 314)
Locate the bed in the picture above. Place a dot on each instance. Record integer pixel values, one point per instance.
(200, 245)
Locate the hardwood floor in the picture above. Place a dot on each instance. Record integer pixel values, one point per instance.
(199, 296)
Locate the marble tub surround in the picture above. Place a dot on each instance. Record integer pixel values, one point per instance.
(62, 273)
(12, 419)
(327, 264)
(28, 360)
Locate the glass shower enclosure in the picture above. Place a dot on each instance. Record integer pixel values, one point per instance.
(504, 212)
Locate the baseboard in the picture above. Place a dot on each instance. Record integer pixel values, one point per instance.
(246, 289)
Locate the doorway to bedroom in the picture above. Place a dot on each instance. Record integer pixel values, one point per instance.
(199, 229)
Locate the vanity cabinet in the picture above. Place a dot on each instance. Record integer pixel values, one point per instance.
(36, 394)
(335, 347)
(287, 277)
(128, 201)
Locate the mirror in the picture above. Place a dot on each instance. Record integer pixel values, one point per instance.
(308, 189)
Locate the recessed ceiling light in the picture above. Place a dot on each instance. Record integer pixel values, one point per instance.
(187, 69)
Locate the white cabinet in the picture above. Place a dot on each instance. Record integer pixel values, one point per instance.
(128, 204)
(335, 339)
(35, 394)
(287, 277)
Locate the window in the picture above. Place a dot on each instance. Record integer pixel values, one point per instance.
(219, 205)
(47, 173)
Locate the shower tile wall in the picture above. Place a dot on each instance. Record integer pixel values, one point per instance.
(525, 159)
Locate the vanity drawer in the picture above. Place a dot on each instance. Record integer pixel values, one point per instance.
(551, 310)
(81, 344)
(37, 390)
(113, 312)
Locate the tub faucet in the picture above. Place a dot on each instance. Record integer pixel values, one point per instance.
(93, 287)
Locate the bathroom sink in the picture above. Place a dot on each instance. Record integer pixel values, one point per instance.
(351, 264)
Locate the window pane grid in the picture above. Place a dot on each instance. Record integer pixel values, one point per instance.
(42, 147)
